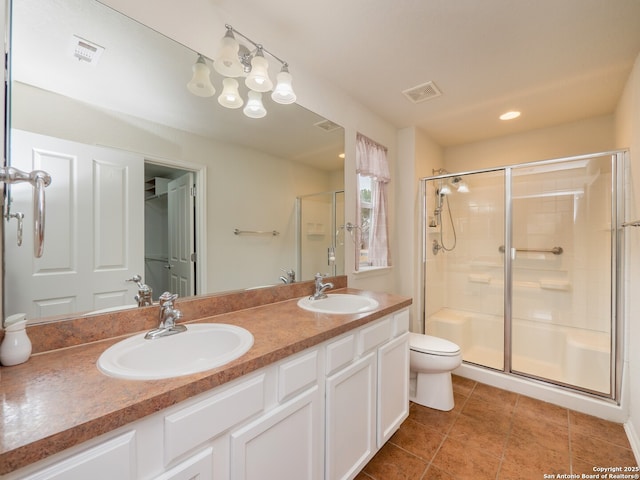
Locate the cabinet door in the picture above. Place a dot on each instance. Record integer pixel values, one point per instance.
(393, 387)
(284, 444)
(350, 419)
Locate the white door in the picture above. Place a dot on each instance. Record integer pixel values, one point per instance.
(182, 235)
(94, 228)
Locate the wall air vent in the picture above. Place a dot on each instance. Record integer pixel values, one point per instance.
(85, 51)
(327, 125)
(422, 93)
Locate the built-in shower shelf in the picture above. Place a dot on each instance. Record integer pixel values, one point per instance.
(479, 278)
(553, 284)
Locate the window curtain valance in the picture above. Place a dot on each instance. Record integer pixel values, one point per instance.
(371, 159)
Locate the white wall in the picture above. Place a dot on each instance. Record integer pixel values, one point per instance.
(627, 122)
(587, 136)
(418, 155)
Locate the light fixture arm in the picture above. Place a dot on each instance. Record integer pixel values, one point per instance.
(258, 46)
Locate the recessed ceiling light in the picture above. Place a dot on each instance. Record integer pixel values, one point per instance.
(509, 115)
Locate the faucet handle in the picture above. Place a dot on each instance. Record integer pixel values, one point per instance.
(167, 298)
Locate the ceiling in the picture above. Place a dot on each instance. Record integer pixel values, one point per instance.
(556, 61)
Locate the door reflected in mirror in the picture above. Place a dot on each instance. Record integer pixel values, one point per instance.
(134, 104)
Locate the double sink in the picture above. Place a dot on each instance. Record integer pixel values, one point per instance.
(204, 346)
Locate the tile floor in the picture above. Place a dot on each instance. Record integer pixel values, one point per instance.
(499, 435)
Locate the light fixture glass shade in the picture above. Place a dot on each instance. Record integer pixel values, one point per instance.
(283, 93)
(254, 107)
(230, 97)
(444, 190)
(463, 187)
(200, 84)
(258, 80)
(227, 62)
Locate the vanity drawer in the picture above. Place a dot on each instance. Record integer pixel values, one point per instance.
(374, 335)
(340, 353)
(208, 418)
(297, 374)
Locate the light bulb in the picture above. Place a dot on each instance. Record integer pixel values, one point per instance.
(230, 97)
(254, 107)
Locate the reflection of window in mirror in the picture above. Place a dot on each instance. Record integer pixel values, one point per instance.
(372, 232)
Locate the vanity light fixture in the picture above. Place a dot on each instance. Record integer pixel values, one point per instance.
(200, 84)
(237, 60)
(510, 115)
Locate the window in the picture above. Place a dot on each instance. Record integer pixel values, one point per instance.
(373, 177)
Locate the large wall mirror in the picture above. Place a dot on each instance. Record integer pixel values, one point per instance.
(119, 134)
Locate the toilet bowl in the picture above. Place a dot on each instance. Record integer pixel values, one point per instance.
(431, 360)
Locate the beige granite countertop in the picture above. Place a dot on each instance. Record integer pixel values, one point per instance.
(59, 399)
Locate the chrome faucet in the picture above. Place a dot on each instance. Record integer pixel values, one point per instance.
(290, 276)
(144, 296)
(168, 318)
(320, 287)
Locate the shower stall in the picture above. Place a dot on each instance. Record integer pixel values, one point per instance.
(522, 268)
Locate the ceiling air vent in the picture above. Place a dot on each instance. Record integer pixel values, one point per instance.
(85, 51)
(423, 92)
(327, 125)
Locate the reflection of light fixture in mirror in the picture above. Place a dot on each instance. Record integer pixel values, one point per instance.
(254, 108)
(283, 93)
(230, 97)
(200, 83)
(461, 185)
(509, 115)
(235, 59)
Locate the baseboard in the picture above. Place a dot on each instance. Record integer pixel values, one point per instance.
(634, 440)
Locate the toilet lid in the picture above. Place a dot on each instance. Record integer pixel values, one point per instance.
(432, 345)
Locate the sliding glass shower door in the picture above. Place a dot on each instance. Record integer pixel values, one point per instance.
(561, 263)
(522, 268)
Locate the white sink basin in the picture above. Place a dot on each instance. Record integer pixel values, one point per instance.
(339, 303)
(201, 347)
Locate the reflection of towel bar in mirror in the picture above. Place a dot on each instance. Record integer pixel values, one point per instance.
(554, 250)
(255, 232)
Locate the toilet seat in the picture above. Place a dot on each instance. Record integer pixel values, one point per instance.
(432, 345)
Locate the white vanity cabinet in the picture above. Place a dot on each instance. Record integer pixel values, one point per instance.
(367, 393)
(321, 413)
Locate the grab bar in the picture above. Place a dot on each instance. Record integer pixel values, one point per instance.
(635, 223)
(554, 250)
(39, 180)
(255, 232)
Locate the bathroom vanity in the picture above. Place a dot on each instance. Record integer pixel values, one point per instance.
(315, 397)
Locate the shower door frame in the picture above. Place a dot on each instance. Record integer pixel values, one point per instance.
(618, 166)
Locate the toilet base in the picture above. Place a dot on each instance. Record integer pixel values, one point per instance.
(434, 390)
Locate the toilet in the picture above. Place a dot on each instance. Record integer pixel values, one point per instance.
(431, 360)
